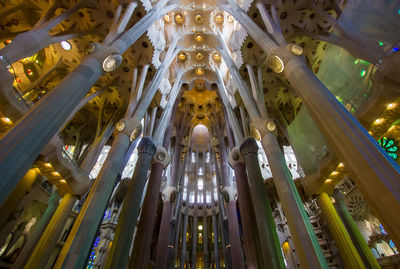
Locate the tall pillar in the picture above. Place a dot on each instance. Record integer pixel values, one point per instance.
(24, 186)
(194, 240)
(252, 248)
(355, 234)
(34, 237)
(305, 241)
(233, 225)
(48, 241)
(184, 231)
(121, 244)
(347, 251)
(216, 245)
(79, 242)
(205, 240)
(23, 143)
(269, 241)
(141, 248)
(374, 171)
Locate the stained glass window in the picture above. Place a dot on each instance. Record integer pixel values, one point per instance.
(389, 145)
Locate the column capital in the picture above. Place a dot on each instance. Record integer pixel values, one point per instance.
(146, 146)
(249, 146)
(264, 126)
(235, 157)
(162, 156)
(230, 194)
(130, 127)
(169, 194)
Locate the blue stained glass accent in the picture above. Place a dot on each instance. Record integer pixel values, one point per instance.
(395, 49)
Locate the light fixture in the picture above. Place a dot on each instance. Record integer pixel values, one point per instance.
(199, 71)
(378, 121)
(66, 45)
(217, 56)
(200, 227)
(63, 181)
(199, 37)
(199, 56)
(181, 56)
(390, 106)
(327, 181)
(48, 165)
(167, 18)
(334, 173)
(55, 174)
(179, 18)
(341, 165)
(198, 19)
(6, 120)
(112, 62)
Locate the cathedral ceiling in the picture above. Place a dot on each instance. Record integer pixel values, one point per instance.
(197, 21)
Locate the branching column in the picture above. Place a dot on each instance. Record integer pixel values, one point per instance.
(376, 173)
(184, 237)
(48, 241)
(119, 253)
(306, 243)
(265, 223)
(252, 247)
(22, 144)
(141, 248)
(355, 234)
(34, 237)
(347, 251)
(216, 237)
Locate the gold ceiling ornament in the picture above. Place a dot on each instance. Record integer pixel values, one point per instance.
(198, 18)
(167, 18)
(219, 18)
(276, 63)
(230, 18)
(198, 37)
(271, 126)
(181, 56)
(120, 126)
(199, 71)
(296, 49)
(179, 18)
(217, 56)
(199, 56)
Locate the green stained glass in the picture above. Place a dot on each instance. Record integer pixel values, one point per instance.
(388, 144)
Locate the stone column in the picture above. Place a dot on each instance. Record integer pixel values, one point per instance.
(48, 241)
(306, 243)
(233, 225)
(13, 200)
(252, 249)
(347, 251)
(34, 237)
(269, 241)
(119, 253)
(205, 240)
(216, 245)
(355, 234)
(194, 240)
(184, 231)
(141, 248)
(375, 173)
(83, 232)
(22, 144)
